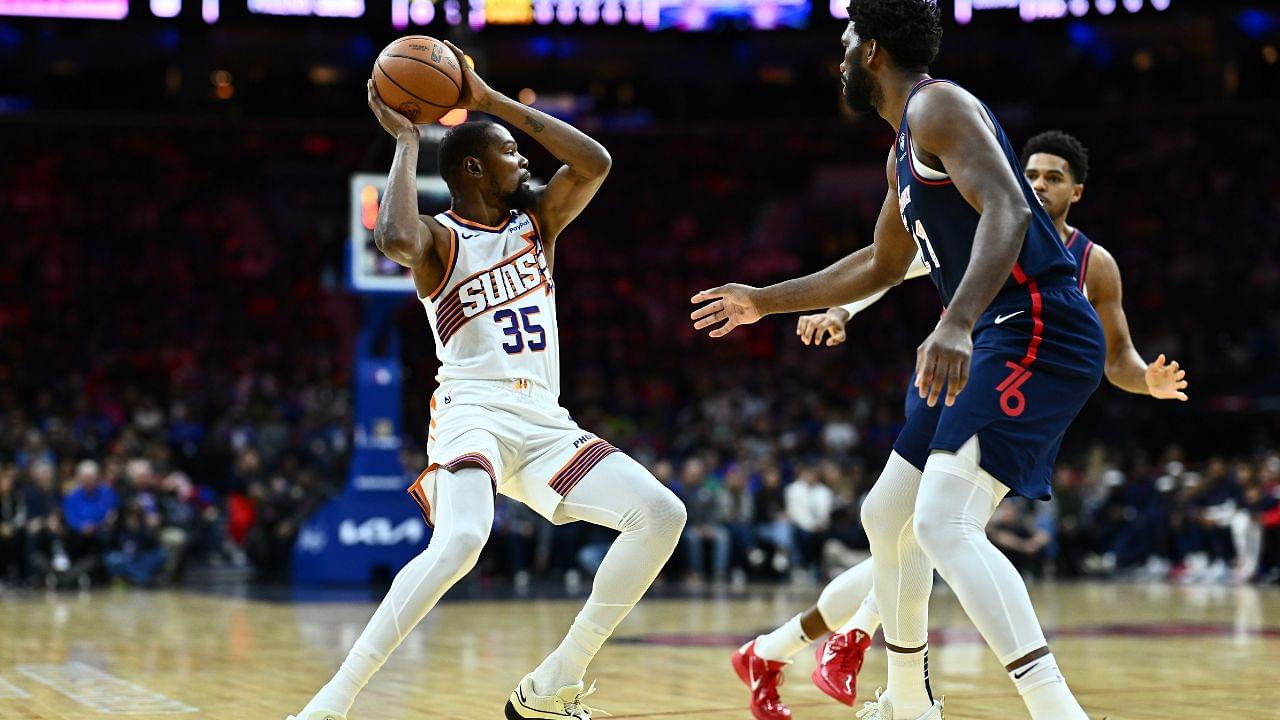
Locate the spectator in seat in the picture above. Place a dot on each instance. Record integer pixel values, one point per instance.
(809, 506)
(135, 555)
(89, 510)
(708, 509)
(1013, 530)
(772, 525)
(13, 530)
(58, 558)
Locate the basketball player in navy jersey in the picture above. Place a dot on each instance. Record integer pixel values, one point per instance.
(1016, 353)
(1057, 165)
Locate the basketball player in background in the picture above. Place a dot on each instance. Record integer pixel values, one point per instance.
(483, 273)
(1057, 165)
(1012, 360)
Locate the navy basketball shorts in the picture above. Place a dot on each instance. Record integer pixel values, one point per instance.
(1038, 354)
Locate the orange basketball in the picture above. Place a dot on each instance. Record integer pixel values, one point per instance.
(419, 76)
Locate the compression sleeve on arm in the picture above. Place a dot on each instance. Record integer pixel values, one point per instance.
(916, 270)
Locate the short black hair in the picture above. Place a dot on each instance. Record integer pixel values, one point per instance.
(1065, 146)
(911, 30)
(469, 139)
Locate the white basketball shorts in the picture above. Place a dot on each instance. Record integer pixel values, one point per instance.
(517, 432)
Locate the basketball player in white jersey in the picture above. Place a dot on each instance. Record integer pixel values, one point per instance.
(1056, 165)
(483, 272)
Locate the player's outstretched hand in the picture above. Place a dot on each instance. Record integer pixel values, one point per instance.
(391, 121)
(1166, 382)
(943, 359)
(811, 328)
(732, 305)
(476, 93)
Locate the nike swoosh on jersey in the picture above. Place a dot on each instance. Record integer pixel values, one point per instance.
(1001, 318)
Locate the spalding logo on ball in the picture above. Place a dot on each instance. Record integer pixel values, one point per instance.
(409, 109)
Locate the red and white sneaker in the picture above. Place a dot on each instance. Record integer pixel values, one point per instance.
(839, 662)
(763, 678)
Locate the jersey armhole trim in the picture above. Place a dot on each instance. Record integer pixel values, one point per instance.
(921, 172)
(1084, 264)
(448, 270)
(537, 226)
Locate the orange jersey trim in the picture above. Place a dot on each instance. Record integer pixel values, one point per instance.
(448, 270)
(478, 226)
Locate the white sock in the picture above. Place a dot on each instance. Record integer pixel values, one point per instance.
(866, 619)
(1045, 692)
(783, 643)
(568, 663)
(909, 683)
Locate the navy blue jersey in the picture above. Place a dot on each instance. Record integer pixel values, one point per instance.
(1080, 248)
(943, 223)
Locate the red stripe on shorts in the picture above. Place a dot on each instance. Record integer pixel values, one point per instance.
(473, 458)
(579, 465)
(1037, 318)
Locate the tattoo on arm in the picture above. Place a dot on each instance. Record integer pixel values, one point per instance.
(534, 124)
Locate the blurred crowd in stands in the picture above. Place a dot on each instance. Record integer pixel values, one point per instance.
(176, 341)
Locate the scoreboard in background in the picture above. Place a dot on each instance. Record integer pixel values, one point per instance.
(647, 14)
(1031, 10)
(86, 9)
(308, 8)
(405, 14)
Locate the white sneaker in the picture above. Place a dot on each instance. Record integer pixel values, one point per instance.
(319, 715)
(882, 709)
(566, 703)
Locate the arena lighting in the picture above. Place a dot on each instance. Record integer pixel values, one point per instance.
(77, 9)
(652, 14)
(1031, 10)
(368, 206)
(166, 8)
(456, 116)
(316, 8)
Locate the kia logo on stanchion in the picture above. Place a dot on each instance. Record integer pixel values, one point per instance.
(380, 531)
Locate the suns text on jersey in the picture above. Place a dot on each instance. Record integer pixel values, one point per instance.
(501, 284)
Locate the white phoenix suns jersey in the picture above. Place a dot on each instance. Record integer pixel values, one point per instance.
(494, 314)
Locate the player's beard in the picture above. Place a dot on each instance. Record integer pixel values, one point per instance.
(859, 90)
(522, 198)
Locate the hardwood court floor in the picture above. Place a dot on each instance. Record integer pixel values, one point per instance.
(1130, 652)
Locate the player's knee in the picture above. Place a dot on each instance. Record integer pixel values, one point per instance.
(932, 532)
(879, 517)
(940, 534)
(665, 515)
(463, 545)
